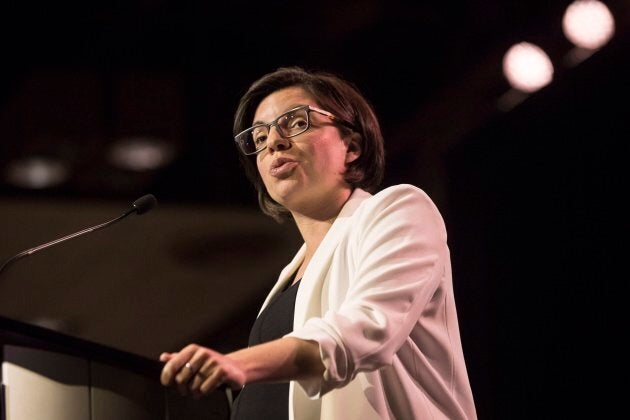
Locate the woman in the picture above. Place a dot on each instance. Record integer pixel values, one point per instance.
(362, 323)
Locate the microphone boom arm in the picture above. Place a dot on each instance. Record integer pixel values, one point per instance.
(140, 206)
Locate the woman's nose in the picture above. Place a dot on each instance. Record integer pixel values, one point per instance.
(276, 142)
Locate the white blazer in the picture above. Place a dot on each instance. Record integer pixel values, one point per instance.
(378, 298)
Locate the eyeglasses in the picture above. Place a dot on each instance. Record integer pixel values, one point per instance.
(290, 124)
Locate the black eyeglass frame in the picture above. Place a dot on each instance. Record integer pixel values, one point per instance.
(308, 109)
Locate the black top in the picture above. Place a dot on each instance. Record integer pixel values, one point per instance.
(265, 400)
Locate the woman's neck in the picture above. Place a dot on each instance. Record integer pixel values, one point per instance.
(314, 229)
(314, 222)
(313, 232)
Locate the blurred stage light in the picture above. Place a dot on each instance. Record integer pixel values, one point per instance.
(36, 172)
(141, 153)
(588, 24)
(527, 67)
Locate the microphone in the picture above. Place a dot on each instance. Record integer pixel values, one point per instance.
(140, 206)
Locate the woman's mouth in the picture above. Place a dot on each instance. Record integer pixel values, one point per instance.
(282, 167)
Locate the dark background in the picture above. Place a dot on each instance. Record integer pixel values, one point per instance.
(530, 195)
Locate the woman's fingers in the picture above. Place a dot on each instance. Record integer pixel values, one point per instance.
(199, 371)
(212, 382)
(165, 357)
(172, 370)
(195, 384)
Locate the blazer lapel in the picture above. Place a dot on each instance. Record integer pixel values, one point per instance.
(308, 300)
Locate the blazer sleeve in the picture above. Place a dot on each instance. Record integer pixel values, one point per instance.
(398, 253)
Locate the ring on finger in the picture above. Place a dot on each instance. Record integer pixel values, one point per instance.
(190, 366)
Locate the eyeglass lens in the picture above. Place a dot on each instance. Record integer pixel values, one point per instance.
(289, 124)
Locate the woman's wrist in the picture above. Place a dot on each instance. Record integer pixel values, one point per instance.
(280, 360)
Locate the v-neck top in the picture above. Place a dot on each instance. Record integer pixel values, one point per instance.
(268, 400)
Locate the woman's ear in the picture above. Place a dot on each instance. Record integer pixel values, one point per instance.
(354, 148)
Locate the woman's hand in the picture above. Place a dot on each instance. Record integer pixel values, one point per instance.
(197, 371)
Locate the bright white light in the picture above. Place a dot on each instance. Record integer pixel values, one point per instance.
(36, 172)
(141, 153)
(588, 24)
(527, 67)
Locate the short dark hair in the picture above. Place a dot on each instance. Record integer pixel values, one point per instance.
(334, 94)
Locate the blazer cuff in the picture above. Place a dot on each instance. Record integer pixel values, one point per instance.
(333, 357)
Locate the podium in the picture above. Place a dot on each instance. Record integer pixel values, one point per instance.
(47, 375)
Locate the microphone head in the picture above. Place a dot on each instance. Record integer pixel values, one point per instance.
(144, 203)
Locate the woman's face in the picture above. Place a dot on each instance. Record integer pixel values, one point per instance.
(304, 173)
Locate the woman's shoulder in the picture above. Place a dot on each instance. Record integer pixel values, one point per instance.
(402, 192)
(402, 201)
